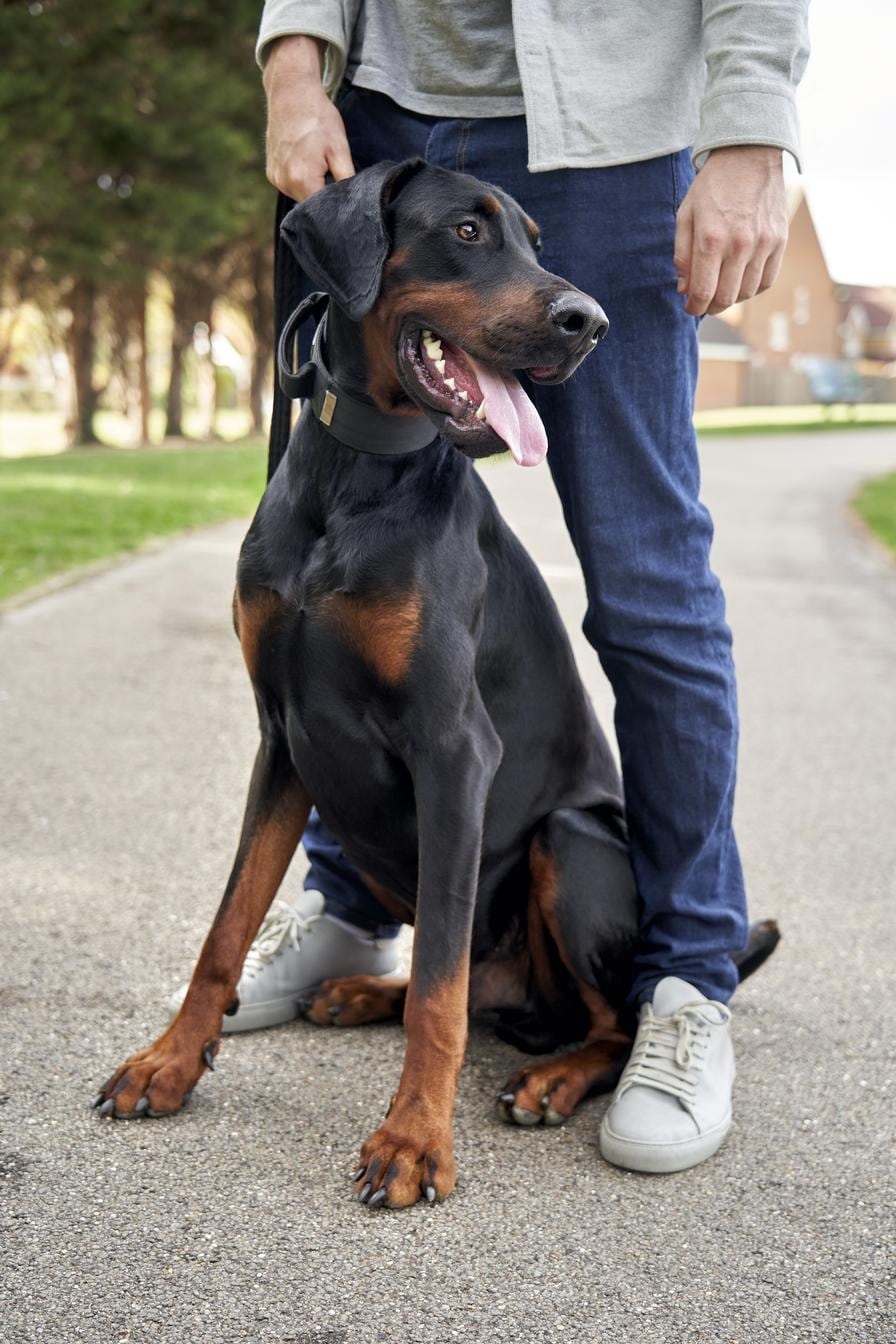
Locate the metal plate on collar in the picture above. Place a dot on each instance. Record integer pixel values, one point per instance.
(329, 406)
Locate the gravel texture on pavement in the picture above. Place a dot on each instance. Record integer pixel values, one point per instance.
(127, 729)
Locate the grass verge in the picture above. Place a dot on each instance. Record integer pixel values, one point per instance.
(876, 504)
(79, 507)
(793, 419)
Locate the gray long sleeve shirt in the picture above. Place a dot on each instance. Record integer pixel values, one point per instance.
(600, 82)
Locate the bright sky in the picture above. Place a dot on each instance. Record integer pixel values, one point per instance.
(847, 103)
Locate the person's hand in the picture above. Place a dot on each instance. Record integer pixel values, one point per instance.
(306, 137)
(731, 229)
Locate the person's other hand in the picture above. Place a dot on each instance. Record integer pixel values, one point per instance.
(731, 229)
(305, 138)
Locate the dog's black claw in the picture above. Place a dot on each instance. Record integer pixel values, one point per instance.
(107, 1107)
(376, 1200)
(233, 1007)
(365, 1191)
(359, 1173)
(142, 1106)
(430, 1193)
(97, 1101)
(208, 1055)
(335, 1009)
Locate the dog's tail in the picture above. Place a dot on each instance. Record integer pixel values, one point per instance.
(762, 939)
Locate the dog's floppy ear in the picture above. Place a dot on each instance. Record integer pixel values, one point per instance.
(339, 234)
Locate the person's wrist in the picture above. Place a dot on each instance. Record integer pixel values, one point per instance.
(769, 156)
(297, 56)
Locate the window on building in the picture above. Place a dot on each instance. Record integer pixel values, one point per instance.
(801, 305)
(779, 332)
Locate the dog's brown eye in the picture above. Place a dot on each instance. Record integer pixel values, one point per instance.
(468, 231)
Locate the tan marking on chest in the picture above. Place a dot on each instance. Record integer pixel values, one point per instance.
(253, 616)
(383, 630)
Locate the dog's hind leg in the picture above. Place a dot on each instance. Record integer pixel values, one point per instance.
(583, 909)
(353, 1000)
(156, 1080)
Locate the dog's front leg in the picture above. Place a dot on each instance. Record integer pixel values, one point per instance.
(412, 1153)
(156, 1080)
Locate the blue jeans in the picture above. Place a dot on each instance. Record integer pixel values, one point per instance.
(623, 456)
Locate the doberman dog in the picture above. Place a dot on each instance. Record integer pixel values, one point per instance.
(414, 680)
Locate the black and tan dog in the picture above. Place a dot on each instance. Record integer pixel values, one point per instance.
(414, 680)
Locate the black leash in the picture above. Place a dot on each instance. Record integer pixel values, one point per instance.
(287, 292)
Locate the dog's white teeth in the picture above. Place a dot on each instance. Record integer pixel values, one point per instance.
(427, 335)
(464, 396)
(440, 365)
(433, 349)
(449, 382)
(480, 412)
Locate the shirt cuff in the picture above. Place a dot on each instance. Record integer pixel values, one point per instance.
(291, 18)
(751, 116)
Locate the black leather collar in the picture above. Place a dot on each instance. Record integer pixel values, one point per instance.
(352, 421)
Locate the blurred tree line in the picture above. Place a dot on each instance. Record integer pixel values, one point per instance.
(131, 146)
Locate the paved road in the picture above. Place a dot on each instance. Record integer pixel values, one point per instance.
(127, 734)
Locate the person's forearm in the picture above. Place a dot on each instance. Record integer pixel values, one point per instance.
(294, 58)
(305, 136)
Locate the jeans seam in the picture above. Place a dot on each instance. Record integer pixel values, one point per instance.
(460, 161)
(429, 138)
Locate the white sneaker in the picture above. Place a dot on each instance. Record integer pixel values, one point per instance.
(672, 1107)
(296, 948)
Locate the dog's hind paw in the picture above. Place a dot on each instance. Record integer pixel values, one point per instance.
(356, 999)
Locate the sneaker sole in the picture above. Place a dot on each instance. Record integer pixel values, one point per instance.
(273, 1013)
(657, 1158)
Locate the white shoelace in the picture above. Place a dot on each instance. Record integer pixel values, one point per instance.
(669, 1052)
(281, 927)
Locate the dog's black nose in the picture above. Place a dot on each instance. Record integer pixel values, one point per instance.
(579, 318)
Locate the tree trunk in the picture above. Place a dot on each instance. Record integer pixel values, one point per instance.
(181, 334)
(143, 364)
(261, 315)
(82, 350)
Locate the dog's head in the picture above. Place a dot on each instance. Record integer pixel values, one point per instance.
(441, 272)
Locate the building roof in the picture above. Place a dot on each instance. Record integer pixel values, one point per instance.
(720, 340)
(880, 316)
(715, 331)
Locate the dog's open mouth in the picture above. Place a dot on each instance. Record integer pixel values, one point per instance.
(487, 409)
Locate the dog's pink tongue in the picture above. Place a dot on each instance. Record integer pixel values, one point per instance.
(511, 414)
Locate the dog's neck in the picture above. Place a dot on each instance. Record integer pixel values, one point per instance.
(362, 360)
(346, 355)
(336, 384)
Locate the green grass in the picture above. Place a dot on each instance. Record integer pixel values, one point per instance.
(793, 419)
(75, 508)
(876, 503)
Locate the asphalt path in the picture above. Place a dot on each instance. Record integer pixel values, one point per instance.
(127, 731)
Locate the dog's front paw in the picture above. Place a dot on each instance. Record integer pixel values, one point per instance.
(156, 1081)
(400, 1165)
